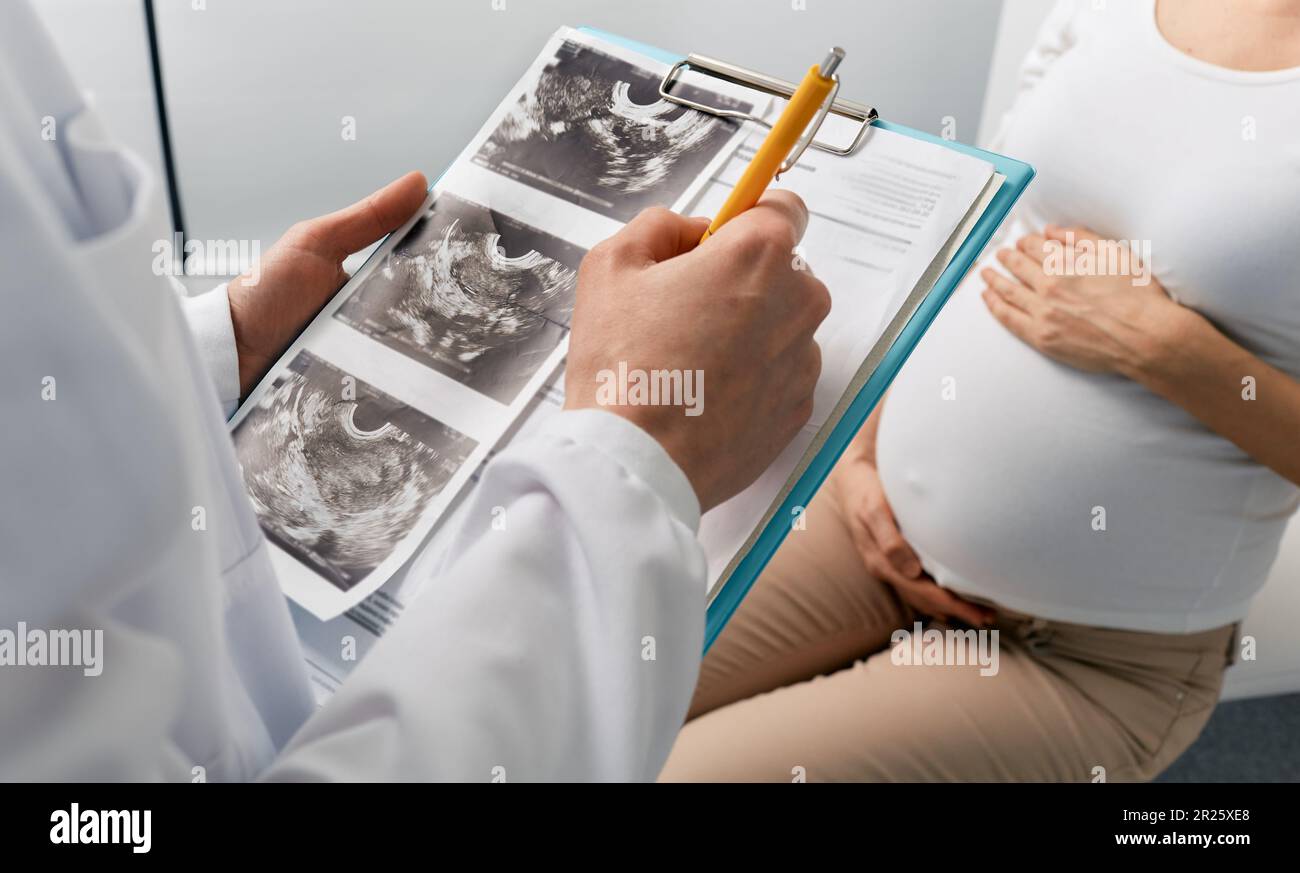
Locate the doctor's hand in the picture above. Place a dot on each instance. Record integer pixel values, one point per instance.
(736, 313)
(300, 273)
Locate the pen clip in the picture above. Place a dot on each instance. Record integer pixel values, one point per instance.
(813, 127)
(864, 115)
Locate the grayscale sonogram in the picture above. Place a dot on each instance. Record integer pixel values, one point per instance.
(340, 472)
(593, 130)
(472, 293)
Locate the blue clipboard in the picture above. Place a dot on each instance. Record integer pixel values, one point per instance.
(1018, 175)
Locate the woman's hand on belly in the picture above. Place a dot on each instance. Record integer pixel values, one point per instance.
(1118, 319)
(880, 543)
(1081, 300)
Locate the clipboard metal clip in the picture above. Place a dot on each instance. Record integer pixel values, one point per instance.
(859, 112)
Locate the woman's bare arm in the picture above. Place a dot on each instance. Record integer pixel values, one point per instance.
(1228, 389)
(1114, 324)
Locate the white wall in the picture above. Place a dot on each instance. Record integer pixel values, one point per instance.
(258, 87)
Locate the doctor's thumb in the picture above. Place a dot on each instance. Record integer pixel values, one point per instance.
(369, 219)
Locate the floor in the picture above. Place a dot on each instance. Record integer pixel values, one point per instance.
(1254, 740)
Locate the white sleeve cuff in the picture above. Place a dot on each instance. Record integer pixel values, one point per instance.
(208, 315)
(636, 451)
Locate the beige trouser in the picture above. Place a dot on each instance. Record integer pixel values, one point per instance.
(801, 684)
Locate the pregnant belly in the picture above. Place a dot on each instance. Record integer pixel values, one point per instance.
(1059, 492)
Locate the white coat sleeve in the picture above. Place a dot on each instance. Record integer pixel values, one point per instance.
(208, 315)
(561, 643)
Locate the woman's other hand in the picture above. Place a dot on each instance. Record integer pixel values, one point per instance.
(884, 552)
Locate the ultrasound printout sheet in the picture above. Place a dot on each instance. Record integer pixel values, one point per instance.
(359, 439)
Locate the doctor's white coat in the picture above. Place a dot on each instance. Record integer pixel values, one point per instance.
(524, 653)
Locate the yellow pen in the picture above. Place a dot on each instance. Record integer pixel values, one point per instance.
(804, 104)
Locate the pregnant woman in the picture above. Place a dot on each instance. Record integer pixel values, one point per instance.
(1094, 457)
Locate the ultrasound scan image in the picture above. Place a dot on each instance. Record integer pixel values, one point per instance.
(594, 131)
(339, 472)
(473, 294)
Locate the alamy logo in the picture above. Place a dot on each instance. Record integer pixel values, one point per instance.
(922, 647)
(99, 826)
(36, 647)
(1105, 257)
(632, 387)
(214, 257)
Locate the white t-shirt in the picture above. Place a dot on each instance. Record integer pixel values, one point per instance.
(998, 481)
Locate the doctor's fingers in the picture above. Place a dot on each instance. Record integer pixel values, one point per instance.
(756, 249)
(655, 234)
(779, 219)
(793, 375)
(340, 233)
(797, 302)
